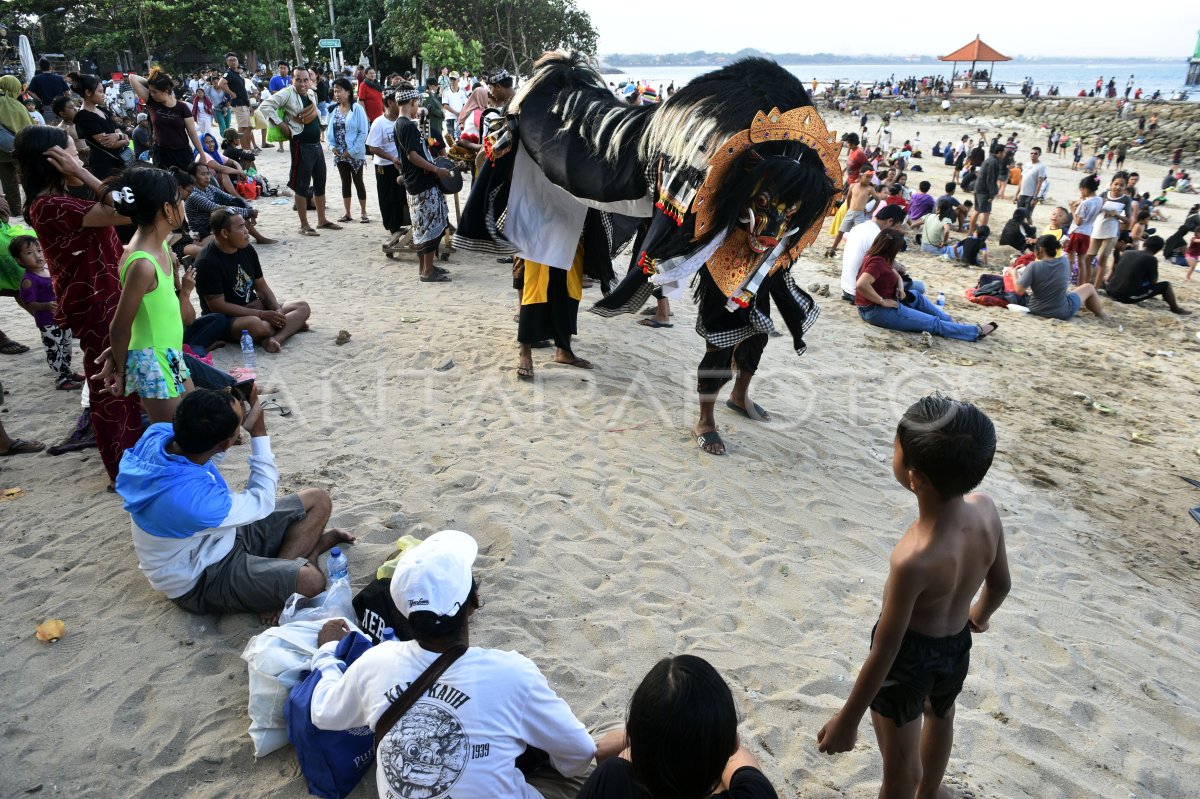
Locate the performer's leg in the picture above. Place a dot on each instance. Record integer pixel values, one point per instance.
(715, 370)
(747, 356)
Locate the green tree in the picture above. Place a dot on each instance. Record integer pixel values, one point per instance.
(442, 47)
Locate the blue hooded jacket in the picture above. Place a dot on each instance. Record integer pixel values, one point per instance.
(168, 495)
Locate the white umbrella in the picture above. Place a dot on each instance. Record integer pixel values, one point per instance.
(26, 55)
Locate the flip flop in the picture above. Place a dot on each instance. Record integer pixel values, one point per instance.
(366, 220)
(436, 277)
(578, 363)
(654, 323)
(755, 414)
(69, 385)
(10, 347)
(706, 440)
(329, 226)
(1195, 513)
(525, 372)
(346, 218)
(1190, 481)
(20, 446)
(984, 332)
(307, 231)
(271, 402)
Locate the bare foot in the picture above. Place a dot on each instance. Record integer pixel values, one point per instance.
(525, 366)
(571, 359)
(270, 619)
(265, 240)
(271, 345)
(331, 538)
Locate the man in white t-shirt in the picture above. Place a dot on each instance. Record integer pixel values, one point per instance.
(1032, 180)
(463, 735)
(393, 202)
(453, 100)
(859, 240)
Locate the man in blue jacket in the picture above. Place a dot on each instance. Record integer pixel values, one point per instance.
(208, 549)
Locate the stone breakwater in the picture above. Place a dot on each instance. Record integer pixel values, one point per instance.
(1093, 119)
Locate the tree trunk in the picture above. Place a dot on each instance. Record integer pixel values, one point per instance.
(291, 9)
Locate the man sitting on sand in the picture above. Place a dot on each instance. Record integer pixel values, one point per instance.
(208, 549)
(229, 280)
(1135, 277)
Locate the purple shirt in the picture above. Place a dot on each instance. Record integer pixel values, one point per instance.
(41, 290)
(919, 205)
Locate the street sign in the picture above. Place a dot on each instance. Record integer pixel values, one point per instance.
(335, 43)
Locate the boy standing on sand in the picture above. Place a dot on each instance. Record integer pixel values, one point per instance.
(920, 647)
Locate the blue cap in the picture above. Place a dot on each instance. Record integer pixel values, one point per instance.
(335, 552)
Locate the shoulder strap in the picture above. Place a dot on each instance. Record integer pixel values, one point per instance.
(414, 691)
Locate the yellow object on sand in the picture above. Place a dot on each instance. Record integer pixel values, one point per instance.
(51, 630)
(838, 218)
(403, 544)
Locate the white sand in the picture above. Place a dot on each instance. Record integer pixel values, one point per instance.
(608, 539)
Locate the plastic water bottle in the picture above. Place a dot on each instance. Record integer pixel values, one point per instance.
(941, 300)
(337, 565)
(388, 634)
(249, 360)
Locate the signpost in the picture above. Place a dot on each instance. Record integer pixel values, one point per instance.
(334, 45)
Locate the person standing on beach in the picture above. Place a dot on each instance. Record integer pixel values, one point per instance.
(426, 203)
(234, 85)
(921, 644)
(1031, 181)
(986, 187)
(393, 204)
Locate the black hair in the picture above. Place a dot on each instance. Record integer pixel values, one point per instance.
(220, 219)
(925, 186)
(682, 728)
(945, 210)
(203, 420)
(59, 103)
(427, 625)
(184, 179)
(1049, 245)
(36, 171)
(345, 85)
(952, 443)
(887, 244)
(82, 83)
(1152, 244)
(18, 244)
(1091, 183)
(1020, 213)
(951, 186)
(894, 189)
(43, 64)
(982, 232)
(140, 192)
(159, 80)
(431, 81)
(283, 64)
(851, 139)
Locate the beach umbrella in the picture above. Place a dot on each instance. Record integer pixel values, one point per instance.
(25, 52)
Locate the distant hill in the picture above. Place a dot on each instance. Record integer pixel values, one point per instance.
(703, 58)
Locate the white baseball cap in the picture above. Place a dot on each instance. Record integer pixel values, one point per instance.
(435, 576)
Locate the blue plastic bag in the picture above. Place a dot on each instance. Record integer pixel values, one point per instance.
(332, 761)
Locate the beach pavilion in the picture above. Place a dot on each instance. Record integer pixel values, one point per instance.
(974, 52)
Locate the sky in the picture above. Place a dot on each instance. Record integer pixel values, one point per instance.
(792, 26)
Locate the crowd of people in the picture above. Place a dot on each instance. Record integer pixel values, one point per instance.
(130, 209)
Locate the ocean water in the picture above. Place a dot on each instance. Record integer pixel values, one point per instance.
(1164, 76)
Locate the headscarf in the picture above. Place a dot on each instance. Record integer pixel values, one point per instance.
(13, 113)
(215, 152)
(478, 101)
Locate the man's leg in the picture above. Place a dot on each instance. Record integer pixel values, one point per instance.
(901, 750)
(715, 370)
(296, 313)
(1168, 294)
(746, 356)
(247, 137)
(260, 329)
(308, 538)
(937, 738)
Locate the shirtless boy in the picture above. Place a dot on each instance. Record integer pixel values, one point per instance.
(861, 193)
(920, 648)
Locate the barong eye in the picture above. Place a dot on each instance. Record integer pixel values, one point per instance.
(762, 200)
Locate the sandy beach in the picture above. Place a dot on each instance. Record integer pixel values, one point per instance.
(608, 539)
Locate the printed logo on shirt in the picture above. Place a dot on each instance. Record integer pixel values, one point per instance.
(242, 285)
(425, 754)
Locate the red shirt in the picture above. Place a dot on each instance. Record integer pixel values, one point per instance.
(371, 99)
(82, 260)
(855, 163)
(885, 280)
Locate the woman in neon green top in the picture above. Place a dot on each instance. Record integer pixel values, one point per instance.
(147, 331)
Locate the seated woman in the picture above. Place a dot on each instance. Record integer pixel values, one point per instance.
(879, 292)
(231, 149)
(226, 170)
(1018, 233)
(935, 230)
(201, 198)
(680, 741)
(1049, 278)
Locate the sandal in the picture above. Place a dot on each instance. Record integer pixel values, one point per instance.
(436, 277)
(327, 225)
(652, 322)
(525, 372)
(988, 329)
(709, 441)
(755, 413)
(69, 385)
(10, 347)
(307, 231)
(364, 219)
(20, 446)
(346, 218)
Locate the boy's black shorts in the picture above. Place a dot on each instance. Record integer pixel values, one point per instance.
(925, 668)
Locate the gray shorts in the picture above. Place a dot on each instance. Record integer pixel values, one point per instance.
(250, 579)
(983, 203)
(853, 218)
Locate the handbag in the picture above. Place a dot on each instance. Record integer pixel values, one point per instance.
(7, 139)
(414, 691)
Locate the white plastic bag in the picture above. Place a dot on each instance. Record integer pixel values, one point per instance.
(276, 658)
(335, 602)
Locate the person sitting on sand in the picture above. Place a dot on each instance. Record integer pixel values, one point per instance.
(680, 740)
(972, 251)
(1135, 277)
(495, 699)
(921, 645)
(201, 197)
(208, 549)
(229, 280)
(1018, 233)
(1049, 278)
(935, 231)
